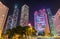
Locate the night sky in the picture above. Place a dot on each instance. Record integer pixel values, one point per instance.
(33, 6)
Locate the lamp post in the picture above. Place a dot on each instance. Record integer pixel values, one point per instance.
(29, 25)
(30, 29)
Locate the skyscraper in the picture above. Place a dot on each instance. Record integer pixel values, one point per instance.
(15, 16)
(24, 15)
(50, 20)
(12, 19)
(56, 21)
(8, 23)
(3, 15)
(40, 21)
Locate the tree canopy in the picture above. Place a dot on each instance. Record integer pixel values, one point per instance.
(26, 30)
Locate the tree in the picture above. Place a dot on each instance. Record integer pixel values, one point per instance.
(10, 33)
(30, 30)
(13, 31)
(20, 31)
(34, 31)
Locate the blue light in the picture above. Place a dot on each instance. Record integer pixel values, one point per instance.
(15, 6)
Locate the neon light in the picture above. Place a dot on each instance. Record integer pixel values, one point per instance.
(39, 21)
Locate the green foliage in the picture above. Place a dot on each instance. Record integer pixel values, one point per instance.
(8, 31)
(21, 31)
(51, 34)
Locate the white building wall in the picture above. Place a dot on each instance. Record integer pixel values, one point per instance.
(24, 15)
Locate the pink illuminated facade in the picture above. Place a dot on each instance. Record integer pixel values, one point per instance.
(41, 20)
(47, 24)
(56, 22)
(3, 15)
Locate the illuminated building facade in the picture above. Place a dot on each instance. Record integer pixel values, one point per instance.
(12, 19)
(41, 21)
(3, 15)
(50, 20)
(56, 21)
(24, 15)
(8, 23)
(15, 16)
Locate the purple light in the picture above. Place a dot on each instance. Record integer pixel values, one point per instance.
(44, 10)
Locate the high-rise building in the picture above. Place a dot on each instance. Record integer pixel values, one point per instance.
(12, 19)
(24, 15)
(50, 20)
(3, 15)
(56, 21)
(40, 21)
(15, 16)
(8, 23)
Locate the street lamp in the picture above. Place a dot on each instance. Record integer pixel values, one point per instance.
(30, 29)
(29, 25)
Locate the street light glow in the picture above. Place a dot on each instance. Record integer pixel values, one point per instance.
(29, 25)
